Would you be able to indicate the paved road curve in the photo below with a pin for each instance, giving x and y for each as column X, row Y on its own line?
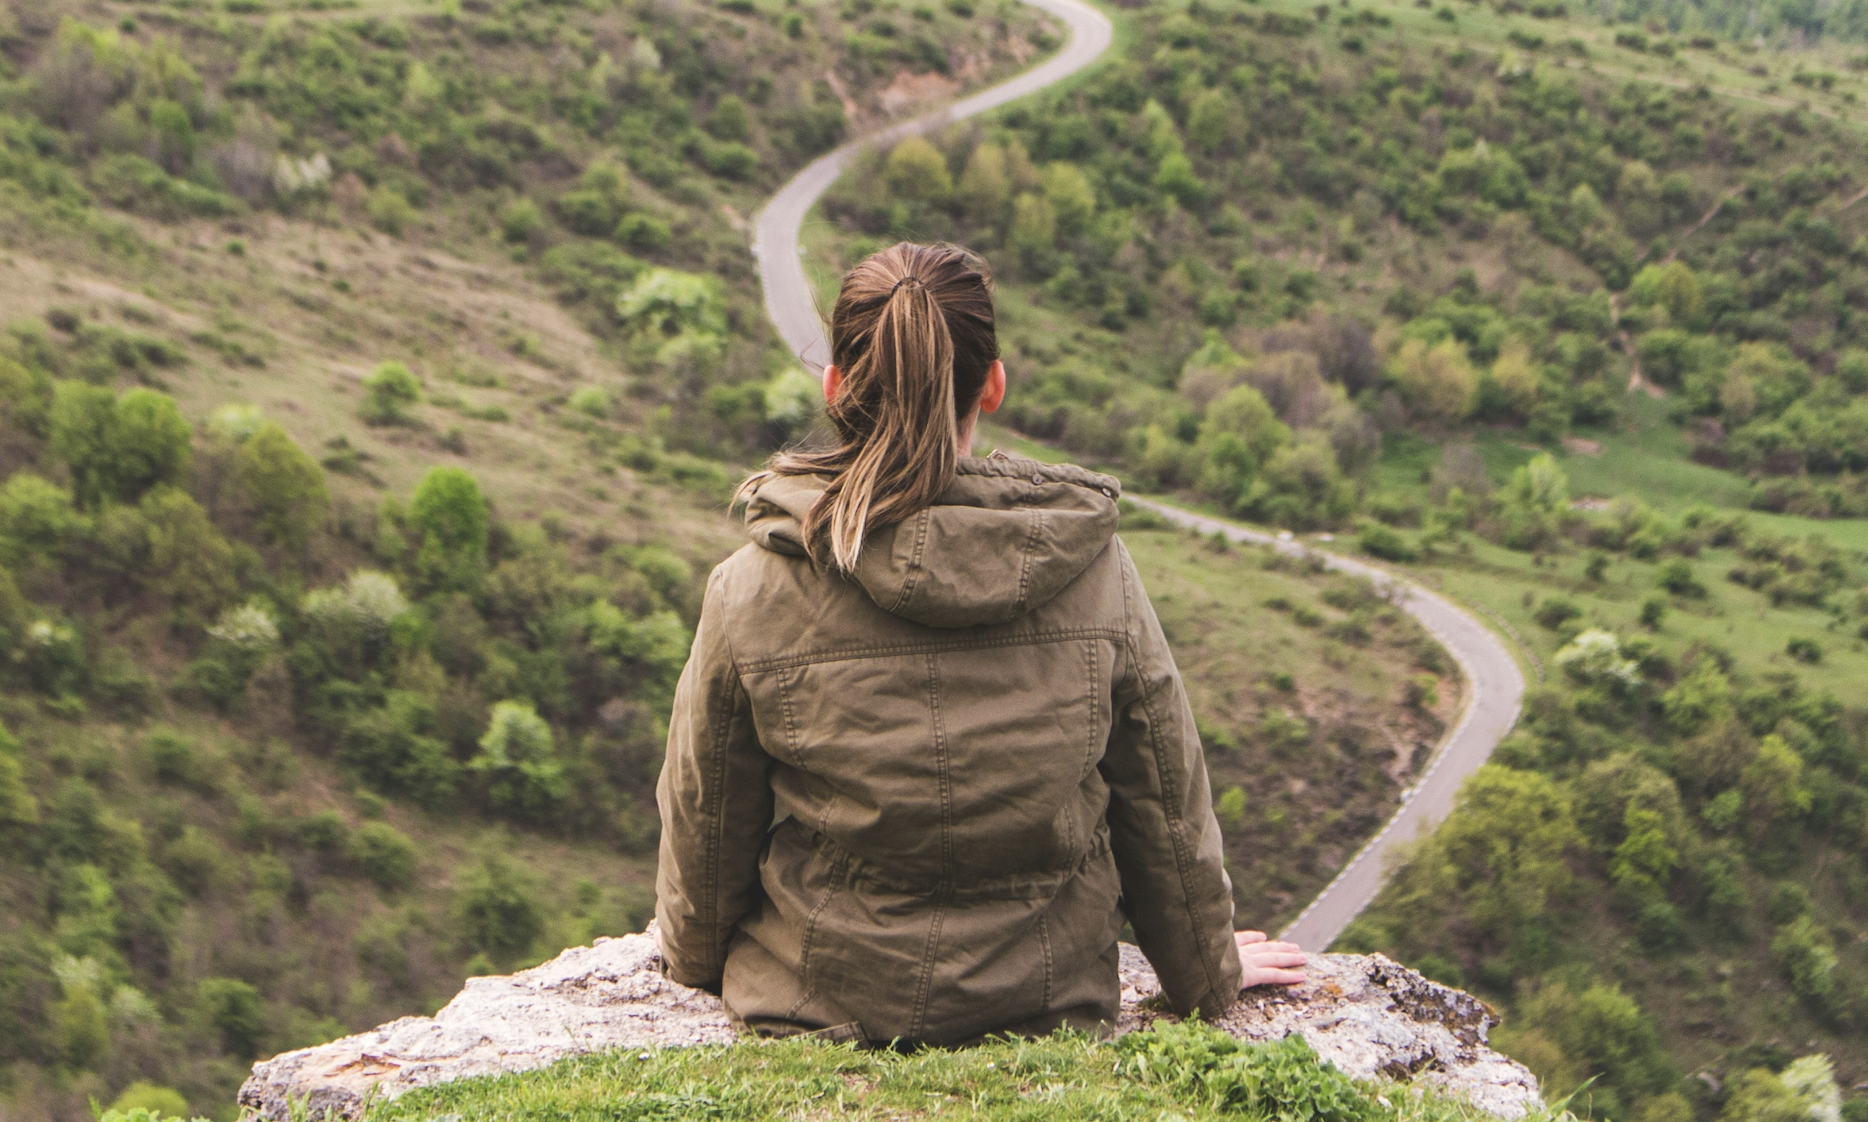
column 1494, row 685
column 1494, row 688
column 788, row 294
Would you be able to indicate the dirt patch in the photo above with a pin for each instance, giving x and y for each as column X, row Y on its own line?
column 912, row 91
column 1581, row 446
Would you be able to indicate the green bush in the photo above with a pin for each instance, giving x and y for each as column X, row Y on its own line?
column 521, row 220
column 385, row 854
column 387, row 392
column 1387, row 543
column 235, row 1011
column 497, row 913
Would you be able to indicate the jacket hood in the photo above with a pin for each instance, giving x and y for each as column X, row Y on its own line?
column 1005, row 537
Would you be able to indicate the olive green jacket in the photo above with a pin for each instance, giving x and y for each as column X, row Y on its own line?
column 980, row 759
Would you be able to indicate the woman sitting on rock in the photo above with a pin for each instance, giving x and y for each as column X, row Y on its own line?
column 941, row 678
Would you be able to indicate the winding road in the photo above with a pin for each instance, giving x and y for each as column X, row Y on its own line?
column 1494, row 684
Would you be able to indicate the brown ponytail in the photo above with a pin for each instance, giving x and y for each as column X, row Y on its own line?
column 913, row 335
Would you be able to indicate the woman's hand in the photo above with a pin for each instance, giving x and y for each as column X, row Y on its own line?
column 1267, row 963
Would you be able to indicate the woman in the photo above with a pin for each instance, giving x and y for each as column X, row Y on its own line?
column 942, row 678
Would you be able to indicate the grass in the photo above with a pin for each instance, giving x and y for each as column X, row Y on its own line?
column 1192, row 1073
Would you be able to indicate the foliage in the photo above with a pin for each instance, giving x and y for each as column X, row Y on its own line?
column 388, row 391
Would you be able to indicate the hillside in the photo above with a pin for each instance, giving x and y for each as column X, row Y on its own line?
column 1560, row 313
column 253, row 794
column 373, row 378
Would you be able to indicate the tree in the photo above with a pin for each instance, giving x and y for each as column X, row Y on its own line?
column 1516, row 377
column 677, row 317
column 1072, row 197
column 450, row 517
column 385, row 854
column 1238, row 435
column 516, row 754
column 387, row 392
column 1672, row 288
column 1506, row 847
column 36, row 520
column 497, row 913
column 1034, row 227
column 1534, row 503
column 1804, row 953
column 284, row 486
column 916, row 170
column 1436, row 380
column 1604, row 1033
column 234, row 1009
column 88, row 434
column 150, row 442
column 985, row 185
column 1772, row 786
column 188, row 559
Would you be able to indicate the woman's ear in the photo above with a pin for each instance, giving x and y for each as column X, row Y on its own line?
column 833, row 380
column 992, row 394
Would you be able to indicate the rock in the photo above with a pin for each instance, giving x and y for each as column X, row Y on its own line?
column 1367, row 1014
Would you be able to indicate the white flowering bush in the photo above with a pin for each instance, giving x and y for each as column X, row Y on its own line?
column 249, row 629
column 369, row 601
column 1595, row 657
column 236, row 422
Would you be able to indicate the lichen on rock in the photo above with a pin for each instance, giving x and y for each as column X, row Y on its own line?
column 1367, row 1014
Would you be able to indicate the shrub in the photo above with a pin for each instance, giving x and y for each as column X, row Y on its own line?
column 1678, row 578
column 516, row 755
column 387, row 391
column 521, row 220
column 171, row 757
column 1387, row 543
column 282, row 485
column 234, row 1010
column 591, row 401
column 1422, row 691
column 1230, row 807
column 1554, row 612
column 389, row 210
column 152, row 1100
column 385, row 854
column 496, row 911
column 451, row 518
column 1804, row 650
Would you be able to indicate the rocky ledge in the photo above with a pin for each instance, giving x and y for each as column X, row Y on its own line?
column 1367, row 1014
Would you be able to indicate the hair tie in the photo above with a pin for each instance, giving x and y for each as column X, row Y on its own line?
column 905, row 280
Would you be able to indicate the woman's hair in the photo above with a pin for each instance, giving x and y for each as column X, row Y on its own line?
column 913, row 336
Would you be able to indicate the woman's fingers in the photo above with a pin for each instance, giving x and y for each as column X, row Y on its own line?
column 1265, row 962
column 1256, row 957
column 1244, row 937
column 1270, row 977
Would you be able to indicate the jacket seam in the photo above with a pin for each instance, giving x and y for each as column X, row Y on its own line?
column 850, row 654
column 944, row 778
column 925, row 991
column 1031, row 548
column 837, row 869
column 1044, row 948
column 728, row 701
column 1170, row 808
column 922, row 522
column 791, row 732
column 723, row 729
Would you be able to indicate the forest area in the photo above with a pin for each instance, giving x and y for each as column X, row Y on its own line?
column 375, row 375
